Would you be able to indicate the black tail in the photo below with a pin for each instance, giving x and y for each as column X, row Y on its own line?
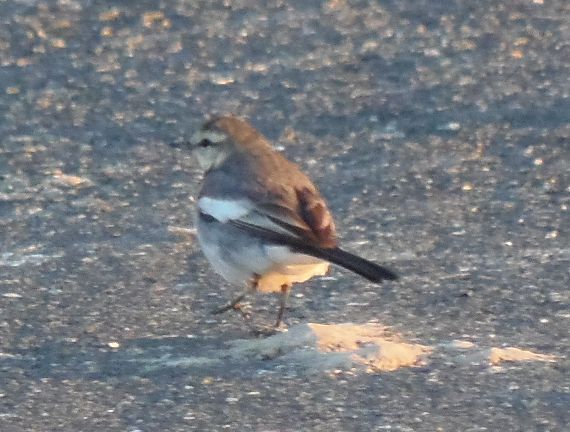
column 367, row 269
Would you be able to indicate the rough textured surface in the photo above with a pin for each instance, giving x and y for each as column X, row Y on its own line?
column 439, row 132
column 337, row 348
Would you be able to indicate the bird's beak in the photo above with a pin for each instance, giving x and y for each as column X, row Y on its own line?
column 182, row 144
column 189, row 144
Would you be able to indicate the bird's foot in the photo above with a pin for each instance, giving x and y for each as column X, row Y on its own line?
column 242, row 308
column 234, row 304
column 267, row 330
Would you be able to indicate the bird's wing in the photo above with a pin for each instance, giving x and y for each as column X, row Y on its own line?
column 301, row 218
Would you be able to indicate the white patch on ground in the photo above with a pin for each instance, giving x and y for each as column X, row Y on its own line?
column 343, row 347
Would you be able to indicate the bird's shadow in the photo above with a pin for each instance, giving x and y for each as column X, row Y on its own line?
column 300, row 348
column 303, row 349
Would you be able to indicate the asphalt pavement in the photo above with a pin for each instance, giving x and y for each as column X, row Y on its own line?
column 438, row 131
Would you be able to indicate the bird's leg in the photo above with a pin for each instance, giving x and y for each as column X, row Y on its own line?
column 235, row 303
column 285, row 288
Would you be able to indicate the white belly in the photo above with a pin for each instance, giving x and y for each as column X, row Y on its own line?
column 239, row 258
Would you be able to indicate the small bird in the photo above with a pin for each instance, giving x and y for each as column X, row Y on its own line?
column 261, row 222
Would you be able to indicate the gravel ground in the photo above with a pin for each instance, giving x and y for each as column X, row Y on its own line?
column 439, row 131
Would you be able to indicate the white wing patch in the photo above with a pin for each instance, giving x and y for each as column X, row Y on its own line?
column 224, row 210
column 244, row 210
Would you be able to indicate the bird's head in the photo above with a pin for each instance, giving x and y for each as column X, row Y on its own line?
column 222, row 136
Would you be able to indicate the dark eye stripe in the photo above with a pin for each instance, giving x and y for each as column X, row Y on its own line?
column 205, row 143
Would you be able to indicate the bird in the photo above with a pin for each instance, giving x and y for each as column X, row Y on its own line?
column 261, row 222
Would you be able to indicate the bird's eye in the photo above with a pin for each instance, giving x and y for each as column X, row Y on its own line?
column 205, row 143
